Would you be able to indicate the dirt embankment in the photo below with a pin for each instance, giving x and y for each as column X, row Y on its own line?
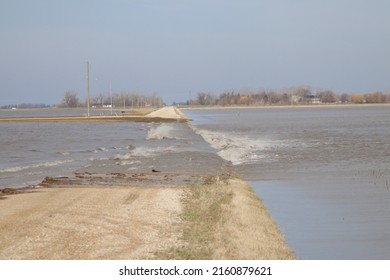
column 165, row 114
column 168, row 112
column 218, row 219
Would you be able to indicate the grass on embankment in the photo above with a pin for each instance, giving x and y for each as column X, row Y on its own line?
column 224, row 219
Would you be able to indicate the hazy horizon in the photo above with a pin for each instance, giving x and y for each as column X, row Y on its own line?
column 180, row 47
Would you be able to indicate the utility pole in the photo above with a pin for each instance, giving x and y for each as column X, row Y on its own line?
column 88, row 89
column 111, row 97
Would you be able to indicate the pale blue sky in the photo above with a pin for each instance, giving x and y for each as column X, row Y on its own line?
column 172, row 47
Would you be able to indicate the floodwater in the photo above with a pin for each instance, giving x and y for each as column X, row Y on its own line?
column 31, row 151
column 323, row 172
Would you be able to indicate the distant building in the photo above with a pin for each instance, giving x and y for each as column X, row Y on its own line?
column 312, row 99
column 295, row 99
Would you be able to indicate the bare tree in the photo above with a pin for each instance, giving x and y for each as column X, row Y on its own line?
column 357, row 98
column 375, row 97
column 345, row 98
column 70, row 99
column 327, row 96
column 205, row 99
column 127, row 99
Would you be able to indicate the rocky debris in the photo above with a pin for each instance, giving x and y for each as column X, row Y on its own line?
column 151, row 179
column 9, row 191
column 50, row 181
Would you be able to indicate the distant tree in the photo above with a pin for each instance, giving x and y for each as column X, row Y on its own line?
column 300, row 93
column 327, row 96
column 259, row 97
column 25, row 106
column 205, row 99
column 293, row 95
column 386, row 98
column 285, row 99
column 357, row 98
column 224, row 99
column 70, row 99
column 201, row 98
column 274, row 97
column 126, row 99
column 244, row 100
column 345, row 98
column 375, row 97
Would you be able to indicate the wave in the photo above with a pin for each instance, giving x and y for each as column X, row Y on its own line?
column 122, row 157
column 98, row 158
column 163, row 131
column 143, row 152
column 97, row 150
column 128, row 162
column 236, row 148
column 63, row 153
column 35, row 165
column 150, row 152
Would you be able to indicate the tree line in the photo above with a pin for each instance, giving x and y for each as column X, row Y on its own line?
column 117, row 100
column 26, row 106
column 290, row 96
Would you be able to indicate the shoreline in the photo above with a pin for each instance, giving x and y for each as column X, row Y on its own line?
column 166, row 214
column 165, row 114
column 219, row 107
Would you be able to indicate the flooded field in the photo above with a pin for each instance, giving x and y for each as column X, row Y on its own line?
column 323, row 172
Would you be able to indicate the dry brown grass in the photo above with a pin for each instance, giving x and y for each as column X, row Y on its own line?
column 225, row 220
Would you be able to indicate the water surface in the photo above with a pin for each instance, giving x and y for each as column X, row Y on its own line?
column 323, row 172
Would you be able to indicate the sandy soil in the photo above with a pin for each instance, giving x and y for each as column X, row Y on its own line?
column 125, row 222
column 89, row 223
column 168, row 112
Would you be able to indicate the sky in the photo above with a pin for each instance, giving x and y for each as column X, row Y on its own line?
column 177, row 48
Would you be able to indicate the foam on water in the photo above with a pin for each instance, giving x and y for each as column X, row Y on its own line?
column 163, row 131
column 236, row 148
column 63, row 153
column 122, row 157
column 144, row 152
column 150, row 152
column 129, row 162
column 35, row 165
